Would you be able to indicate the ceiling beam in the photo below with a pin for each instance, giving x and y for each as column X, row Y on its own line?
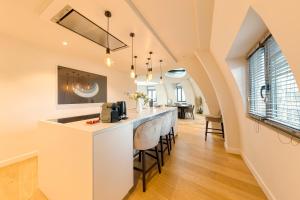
column 147, row 24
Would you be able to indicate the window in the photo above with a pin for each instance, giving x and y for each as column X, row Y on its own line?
column 273, row 93
column 180, row 94
column 151, row 91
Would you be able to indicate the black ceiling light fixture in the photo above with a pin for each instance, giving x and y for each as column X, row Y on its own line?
column 147, row 66
column 135, row 76
column 160, row 78
column 150, row 76
column 108, row 60
column 132, row 72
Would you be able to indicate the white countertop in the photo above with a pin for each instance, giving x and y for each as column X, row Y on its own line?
column 132, row 115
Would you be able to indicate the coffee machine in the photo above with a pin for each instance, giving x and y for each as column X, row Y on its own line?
column 110, row 113
column 122, row 109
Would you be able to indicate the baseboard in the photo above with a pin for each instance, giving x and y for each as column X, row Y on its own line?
column 258, row 178
column 231, row 150
column 18, row 158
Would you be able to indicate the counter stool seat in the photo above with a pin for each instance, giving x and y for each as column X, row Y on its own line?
column 164, row 135
column 146, row 140
column 215, row 119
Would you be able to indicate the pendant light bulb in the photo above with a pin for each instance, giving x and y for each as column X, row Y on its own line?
column 108, row 60
column 150, row 76
column 161, row 81
column 135, row 79
column 132, row 73
column 161, row 78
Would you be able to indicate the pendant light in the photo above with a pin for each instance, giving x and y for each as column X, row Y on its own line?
column 150, row 66
column 160, row 78
column 135, row 76
column 147, row 74
column 108, row 60
column 132, row 73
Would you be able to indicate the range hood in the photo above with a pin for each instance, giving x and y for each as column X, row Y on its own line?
column 76, row 22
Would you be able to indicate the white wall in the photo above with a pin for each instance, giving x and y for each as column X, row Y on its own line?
column 28, row 85
column 167, row 90
column 275, row 164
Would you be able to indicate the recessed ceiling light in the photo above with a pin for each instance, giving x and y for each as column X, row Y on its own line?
column 65, row 43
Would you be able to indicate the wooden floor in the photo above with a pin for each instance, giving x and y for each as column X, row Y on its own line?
column 199, row 170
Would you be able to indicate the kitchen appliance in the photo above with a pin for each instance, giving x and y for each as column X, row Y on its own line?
column 110, row 113
column 122, row 109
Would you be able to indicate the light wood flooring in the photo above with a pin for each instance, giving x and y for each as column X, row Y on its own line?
column 199, row 170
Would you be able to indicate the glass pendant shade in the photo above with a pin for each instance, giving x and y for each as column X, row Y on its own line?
column 161, row 81
column 132, row 73
column 150, row 76
column 108, row 60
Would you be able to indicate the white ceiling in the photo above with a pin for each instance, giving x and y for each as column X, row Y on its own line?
column 183, row 25
column 30, row 21
column 177, row 24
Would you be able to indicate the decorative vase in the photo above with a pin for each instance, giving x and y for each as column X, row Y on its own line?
column 139, row 105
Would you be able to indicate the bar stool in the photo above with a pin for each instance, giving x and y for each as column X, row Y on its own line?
column 173, row 123
column 164, row 135
column 216, row 119
column 146, row 138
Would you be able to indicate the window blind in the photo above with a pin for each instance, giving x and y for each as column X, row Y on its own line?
column 257, row 84
column 284, row 99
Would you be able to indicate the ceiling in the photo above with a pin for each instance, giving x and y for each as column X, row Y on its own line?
column 172, row 29
column 183, row 25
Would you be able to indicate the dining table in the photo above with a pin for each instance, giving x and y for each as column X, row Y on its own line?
column 181, row 109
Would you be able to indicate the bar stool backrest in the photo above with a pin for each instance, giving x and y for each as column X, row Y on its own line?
column 147, row 134
column 174, row 117
column 166, row 124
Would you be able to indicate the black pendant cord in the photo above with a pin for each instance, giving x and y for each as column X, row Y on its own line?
column 132, row 36
column 150, row 61
column 160, row 61
column 135, row 57
column 108, row 15
column 147, row 66
column 132, row 50
column 107, row 40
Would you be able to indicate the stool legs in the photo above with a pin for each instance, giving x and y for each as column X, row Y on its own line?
column 157, row 160
column 168, row 143
column 161, row 150
column 213, row 130
column 140, row 156
column 173, row 134
column 206, row 130
column 144, row 170
column 222, row 127
column 170, row 140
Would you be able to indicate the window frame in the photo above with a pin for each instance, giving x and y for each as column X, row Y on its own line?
column 286, row 128
column 182, row 94
column 152, row 89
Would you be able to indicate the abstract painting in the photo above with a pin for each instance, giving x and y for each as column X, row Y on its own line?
column 76, row 87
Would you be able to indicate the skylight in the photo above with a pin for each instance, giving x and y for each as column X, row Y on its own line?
column 176, row 73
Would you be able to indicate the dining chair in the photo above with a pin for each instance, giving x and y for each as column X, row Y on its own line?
column 190, row 111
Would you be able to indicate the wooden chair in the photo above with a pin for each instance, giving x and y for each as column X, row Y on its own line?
column 216, row 119
column 190, row 111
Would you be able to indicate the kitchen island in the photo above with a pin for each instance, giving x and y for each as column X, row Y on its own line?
column 89, row 162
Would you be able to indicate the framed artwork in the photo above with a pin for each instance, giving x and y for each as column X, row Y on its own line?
column 76, row 87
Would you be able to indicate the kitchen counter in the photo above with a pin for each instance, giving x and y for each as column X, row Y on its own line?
column 92, row 162
column 133, row 117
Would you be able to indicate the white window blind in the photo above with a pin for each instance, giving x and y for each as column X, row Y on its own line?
column 273, row 91
column 284, row 101
column 257, row 83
